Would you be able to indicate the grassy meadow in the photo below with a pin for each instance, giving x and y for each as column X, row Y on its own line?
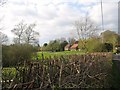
column 57, row 54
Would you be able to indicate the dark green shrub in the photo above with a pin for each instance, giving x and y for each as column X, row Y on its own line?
column 14, row 54
column 103, row 47
column 109, row 46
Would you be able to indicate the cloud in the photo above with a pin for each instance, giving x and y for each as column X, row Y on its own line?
column 110, row 15
column 55, row 18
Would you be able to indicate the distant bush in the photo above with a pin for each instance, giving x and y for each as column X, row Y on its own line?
column 95, row 45
column 103, row 47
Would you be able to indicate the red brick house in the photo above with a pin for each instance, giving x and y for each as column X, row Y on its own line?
column 74, row 46
column 67, row 47
column 71, row 47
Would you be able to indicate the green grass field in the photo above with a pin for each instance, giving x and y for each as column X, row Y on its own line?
column 58, row 54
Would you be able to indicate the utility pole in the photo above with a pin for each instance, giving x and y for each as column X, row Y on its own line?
column 119, row 17
column 102, row 19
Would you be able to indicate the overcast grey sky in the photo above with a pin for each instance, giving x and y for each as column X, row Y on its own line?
column 55, row 18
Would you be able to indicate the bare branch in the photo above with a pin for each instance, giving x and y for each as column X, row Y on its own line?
column 85, row 29
column 3, row 38
column 18, row 31
column 30, row 36
column 25, row 33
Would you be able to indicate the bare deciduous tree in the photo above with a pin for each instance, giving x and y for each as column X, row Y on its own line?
column 85, row 29
column 30, row 35
column 25, row 33
column 18, row 31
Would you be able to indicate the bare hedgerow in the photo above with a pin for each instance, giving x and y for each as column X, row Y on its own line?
column 72, row 71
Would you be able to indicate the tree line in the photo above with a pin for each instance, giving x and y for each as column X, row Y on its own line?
column 57, row 44
column 105, row 42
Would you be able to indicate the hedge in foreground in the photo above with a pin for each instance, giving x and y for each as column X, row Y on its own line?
column 72, row 71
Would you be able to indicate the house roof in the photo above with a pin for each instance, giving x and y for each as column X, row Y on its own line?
column 76, row 42
column 67, row 46
column 74, row 46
